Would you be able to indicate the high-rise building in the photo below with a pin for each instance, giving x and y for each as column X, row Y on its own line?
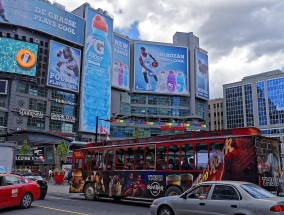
column 215, row 109
column 258, row 101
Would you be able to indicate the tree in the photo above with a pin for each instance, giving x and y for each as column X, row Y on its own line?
column 25, row 150
column 137, row 133
column 61, row 152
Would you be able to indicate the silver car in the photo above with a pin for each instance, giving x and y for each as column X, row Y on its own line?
column 220, row 197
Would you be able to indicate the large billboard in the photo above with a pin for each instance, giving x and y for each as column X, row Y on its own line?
column 202, row 79
column 96, row 75
column 64, row 67
column 18, row 57
column 44, row 17
column 121, row 63
column 160, row 69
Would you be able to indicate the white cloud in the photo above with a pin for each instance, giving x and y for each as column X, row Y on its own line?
column 242, row 37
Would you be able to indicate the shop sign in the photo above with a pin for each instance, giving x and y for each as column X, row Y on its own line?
column 24, row 158
column 32, row 113
column 64, row 102
column 62, row 117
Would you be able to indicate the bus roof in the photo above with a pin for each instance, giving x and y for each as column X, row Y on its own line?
column 251, row 131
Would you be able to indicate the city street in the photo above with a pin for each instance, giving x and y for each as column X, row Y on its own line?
column 59, row 201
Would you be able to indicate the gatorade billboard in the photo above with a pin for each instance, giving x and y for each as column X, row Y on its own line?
column 44, row 17
column 160, row 69
column 202, row 79
column 96, row 75
column 121, row 63
column 18, row 57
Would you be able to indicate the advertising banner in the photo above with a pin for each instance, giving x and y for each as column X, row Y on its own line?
column 18, row 57
column 121, row 63
column 96, row 80
column 44, row 17
column 202, row 80
column 160, row 69
column 64, row 67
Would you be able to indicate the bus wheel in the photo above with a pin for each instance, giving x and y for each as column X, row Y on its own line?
column 173, row 191
column 89, row 192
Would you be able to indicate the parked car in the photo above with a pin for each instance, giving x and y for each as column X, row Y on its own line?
column 17, row 191
column 36, row 177
column 3, row 169
column 220, row 197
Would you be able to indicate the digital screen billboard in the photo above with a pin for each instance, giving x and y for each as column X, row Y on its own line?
column 18, row 57
column 45, row 17
column 202, row 79
column 96, row 75
column 64, row 67
column 121, row 63
column 160, row 69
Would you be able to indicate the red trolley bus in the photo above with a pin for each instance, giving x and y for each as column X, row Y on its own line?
column 168, row 165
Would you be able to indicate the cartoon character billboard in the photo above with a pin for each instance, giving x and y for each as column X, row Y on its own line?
column 44, row 17
column 160, row 69
column 18, row 57
column 96, row 75
column 121, row 63
column 64, row 67
column 202, row 80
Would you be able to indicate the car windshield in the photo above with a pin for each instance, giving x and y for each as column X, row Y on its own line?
column 2, row 169
column 34, row 177
column 256, row 191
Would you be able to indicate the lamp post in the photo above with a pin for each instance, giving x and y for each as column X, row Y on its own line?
column 97, row 125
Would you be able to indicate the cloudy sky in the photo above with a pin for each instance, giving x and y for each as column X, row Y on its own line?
column 242, row 37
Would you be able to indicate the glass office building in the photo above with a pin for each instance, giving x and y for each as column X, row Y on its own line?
column 258, row 101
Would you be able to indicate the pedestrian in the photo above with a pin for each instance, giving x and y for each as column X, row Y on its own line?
column 69, row 176
column 50, row 173
column 29, row 170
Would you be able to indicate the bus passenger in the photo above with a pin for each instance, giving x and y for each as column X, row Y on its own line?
column 185, row 165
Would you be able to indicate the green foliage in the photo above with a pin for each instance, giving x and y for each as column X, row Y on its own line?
column 137, row 133
column 25, row 149
column 60, row 171
column 62, row 150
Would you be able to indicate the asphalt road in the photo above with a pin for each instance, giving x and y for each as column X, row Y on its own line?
column 59, row 202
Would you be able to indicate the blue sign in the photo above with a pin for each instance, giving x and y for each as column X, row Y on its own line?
column 121, row 63
column 96, row 76
column 202, row 80
column 64, row 67
column 45, row 17
column 160, row 69
column 18, row 57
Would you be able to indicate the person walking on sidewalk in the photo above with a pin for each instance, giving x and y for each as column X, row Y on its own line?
column 50, row 173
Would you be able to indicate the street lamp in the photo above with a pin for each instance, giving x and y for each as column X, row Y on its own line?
column 97, row 125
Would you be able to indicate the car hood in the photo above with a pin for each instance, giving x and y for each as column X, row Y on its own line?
column 167, row 199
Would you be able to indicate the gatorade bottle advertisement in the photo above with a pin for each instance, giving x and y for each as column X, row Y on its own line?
column 96, row 77
column 161, row 69
column 121, row 62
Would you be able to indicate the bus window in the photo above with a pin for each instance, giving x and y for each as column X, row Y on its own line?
column 110, row 160
column 103, row 159
column 139, row 158
column 216, row 155
column 87, row 162
column 129, row 158
column 95, row 160
column 173, row 157
column 78, row 164
column 120, row 159
column 161, row 157
column 150, row 157
column 201, row 157
column 187, row 157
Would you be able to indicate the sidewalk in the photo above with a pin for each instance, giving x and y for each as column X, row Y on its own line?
column 58, row 189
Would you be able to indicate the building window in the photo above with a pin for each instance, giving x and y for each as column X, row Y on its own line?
column 234, row 107
column 36, row 124
column 249, row 105
column 261, row 104
column 31, row 89
column 67, row 97
column 275, row 94
column 36, row 104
